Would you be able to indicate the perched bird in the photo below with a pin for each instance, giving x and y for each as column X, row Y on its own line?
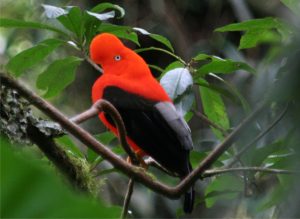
column 153, row 126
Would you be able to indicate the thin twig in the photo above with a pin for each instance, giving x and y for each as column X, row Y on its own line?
column 80, row 118
column 219, row 150
column 127, row 198
column 209, row 122
column 245, row 148
column 213, row 172
column 137, row 173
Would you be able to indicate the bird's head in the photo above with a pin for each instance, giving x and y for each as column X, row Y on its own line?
column 115, row 58
column 106, row 48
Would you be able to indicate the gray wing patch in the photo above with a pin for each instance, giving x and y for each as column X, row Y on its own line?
column 177, row 123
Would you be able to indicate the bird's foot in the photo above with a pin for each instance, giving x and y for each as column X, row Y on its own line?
column 141, row 161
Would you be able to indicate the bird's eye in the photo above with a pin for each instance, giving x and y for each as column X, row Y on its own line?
column 117, row 57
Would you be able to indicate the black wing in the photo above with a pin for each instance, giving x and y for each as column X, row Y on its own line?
column 155, row 127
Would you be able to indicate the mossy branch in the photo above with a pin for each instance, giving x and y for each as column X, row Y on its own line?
column 72, row 168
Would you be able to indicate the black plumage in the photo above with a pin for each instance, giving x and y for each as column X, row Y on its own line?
column 157, row 129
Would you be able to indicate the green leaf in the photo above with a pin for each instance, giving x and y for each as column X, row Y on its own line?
column 258, row 155
column 281, row 159
column 231, row 90
column 163, row 40
column 73, row 21
column 107, row 171
column 44, row 192
column 273, row 198
column 188, row 116
column 53, row 11
column 201, row 57
column 218, row 89
column 257, row 36
column 214, row 108
column 263, row 23
column 173, row 65
column 286, row 181
column 91, row 26
column 120, row 31
column 76, row 19
column 156, row 37
column 218, row 65
column 32, row 56
column 196, row 158
column 293, row 5
column 58, row 75
column 103, row 6
column 105, row 138
column 156, row 67
column 258, row 31
column 66, row 142
column 118, row 150
column 4, row 22
column 222, row 187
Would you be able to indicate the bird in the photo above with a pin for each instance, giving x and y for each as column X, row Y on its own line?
column 153, row 126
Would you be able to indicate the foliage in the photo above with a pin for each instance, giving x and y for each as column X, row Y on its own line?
column 71, row 29
column 36, row 191
column 258, row 31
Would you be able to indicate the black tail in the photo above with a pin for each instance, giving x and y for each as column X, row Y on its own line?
column 189, row 196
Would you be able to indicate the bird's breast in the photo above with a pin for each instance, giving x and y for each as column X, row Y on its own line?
column 146, row 87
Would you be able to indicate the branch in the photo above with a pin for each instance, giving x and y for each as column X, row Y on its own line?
column 134, row 172
column 210, row 173
column 245, row 148
column 209, row 122
column 28, row 129
column 103, row 105
column 127, row 198
column 72, row 170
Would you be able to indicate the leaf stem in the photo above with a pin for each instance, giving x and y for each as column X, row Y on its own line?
column 209, row 122
column 161, row 50
column 156, row 68
column 92, row 63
